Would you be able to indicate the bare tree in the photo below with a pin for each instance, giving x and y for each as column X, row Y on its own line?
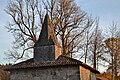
column 113, row 45
column 97, row 46
column 24, row 26
column 88, row 35
column 93, row 47
column 69, row 22
column 93, row 44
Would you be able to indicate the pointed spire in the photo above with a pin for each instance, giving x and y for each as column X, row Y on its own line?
column 47, row 47
column 47, row 35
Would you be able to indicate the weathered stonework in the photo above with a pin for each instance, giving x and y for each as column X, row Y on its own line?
column 53, row 73
column 86, row 74
column 47, row 53
column 49, row 73
column 44, row 53
column 58, row 51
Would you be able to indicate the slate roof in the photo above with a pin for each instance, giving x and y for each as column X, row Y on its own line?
column 60, row 61
column 47, row 35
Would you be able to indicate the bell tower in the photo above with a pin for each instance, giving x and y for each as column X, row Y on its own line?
column 47, row 47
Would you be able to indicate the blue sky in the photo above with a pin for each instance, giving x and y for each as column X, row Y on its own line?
column 107, row 10
column 5, row 37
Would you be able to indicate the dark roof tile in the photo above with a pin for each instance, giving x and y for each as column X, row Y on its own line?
column 61, row 61
column 47, row 35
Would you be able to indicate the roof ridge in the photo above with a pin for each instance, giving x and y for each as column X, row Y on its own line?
column 68, row 58
column 60, row 61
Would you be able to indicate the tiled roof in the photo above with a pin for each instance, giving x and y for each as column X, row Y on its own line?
column 61, row 61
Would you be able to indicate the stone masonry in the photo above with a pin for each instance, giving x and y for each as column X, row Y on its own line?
column 48, row 73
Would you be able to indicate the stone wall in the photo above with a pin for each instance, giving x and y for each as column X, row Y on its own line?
column 85, row 74
column 46, row 53
column 51, row 73
column 58, row 51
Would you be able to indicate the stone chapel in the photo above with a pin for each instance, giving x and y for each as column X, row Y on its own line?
column 48, row 62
